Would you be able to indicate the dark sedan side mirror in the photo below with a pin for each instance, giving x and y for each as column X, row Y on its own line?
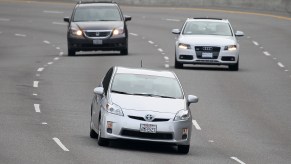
column 99, row 90
column 127, row 18
column 192, row 99
column 67, row 19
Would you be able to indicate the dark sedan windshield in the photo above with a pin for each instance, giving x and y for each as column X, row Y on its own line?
column 145, row 85
column 97, row 13
column 207, row 28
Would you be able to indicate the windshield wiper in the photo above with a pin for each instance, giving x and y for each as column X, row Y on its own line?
column 120, row 92
column 153, row 95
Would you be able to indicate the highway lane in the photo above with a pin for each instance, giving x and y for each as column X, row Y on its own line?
column 244, row 116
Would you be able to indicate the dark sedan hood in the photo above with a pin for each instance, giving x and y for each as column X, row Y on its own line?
column 100, row 25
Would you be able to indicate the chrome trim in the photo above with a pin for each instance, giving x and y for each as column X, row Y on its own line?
column 110, row 32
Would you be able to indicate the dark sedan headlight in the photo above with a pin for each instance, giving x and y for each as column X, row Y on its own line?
column 75, row 31
column 184, row 46
column 182, row 115
column 230, row 48
column 118, row 31
column 114, row 109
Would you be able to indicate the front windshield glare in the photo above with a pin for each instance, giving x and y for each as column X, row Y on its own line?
column 146, row 85
column 207, row 28
column 97, row 13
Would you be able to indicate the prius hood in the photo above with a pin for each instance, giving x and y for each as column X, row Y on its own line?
column 207, row 40
column 99, row 25
column 145, row 103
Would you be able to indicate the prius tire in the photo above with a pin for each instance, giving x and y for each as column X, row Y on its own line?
column 101, row 141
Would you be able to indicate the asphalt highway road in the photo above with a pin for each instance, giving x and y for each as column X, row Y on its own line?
column 45, row 96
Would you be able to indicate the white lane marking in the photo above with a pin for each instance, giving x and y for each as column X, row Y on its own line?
column 60, row 144
column 35, row 84
column 151, row 42
column 286, row 70
column 195, row 123
column 211, row 141
column 49, row 63
column 46, row 42
column 58, row 48
column 161, row 50
column 280, row 65
column 4, row 19
column 133, row 34
column 166, row 57
column 61, row 53
column 56, row 58
column 267, row 53
column 255, row 43
column 34, row 94
column 163, row 53
column 237, row 160
column 21, row 35
column 37, row 108
column 40, row 69
column 173, row 20
column 60, row 23
column 44, row 123
column 167, row 65
column 53, row 12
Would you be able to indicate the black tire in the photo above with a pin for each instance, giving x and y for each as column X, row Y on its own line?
column 93, row 134
column 124, row 51
column 234, row 67
column 101, row 141
column 178, row 64
column 71, row 52
column 183, row 149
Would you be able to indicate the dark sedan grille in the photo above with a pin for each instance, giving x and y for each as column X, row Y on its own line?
column 137, row 134
column 207, row 49
column 154, row 120
column 97, row 34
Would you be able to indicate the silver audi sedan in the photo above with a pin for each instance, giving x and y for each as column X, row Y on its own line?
column 144, row 105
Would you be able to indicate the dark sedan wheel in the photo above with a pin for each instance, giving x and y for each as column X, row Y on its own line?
column 183, row 149
column 71, row 52
column 124, row 51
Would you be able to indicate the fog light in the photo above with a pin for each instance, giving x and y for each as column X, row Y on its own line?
column 185, row 133
column 109, row 127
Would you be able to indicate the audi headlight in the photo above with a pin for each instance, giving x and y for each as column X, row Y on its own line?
column 114, row 109
column 184, row 46
column 230, row 48
column 182, row 115
column 118, row 31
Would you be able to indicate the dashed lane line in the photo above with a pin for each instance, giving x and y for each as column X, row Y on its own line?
column 151, row 42
column 133, row 34
column 44, row 123
column 195, row 123
column 56, row 58
column 53, row 12
column 60, row 144
column 280, row 65
column 35, row 84
column 37, row 108
column 161, row 50
column 61, row 53
column 20, row 35
column 47, row 42
column 255, row 43
column 173, row 20
column 267, row 53
column 237, row 160
column 167, row 66
column 50, row 63
column 59, row 23
column 40, row 69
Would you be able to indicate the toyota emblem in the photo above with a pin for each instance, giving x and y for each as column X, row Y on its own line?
column 149, row 117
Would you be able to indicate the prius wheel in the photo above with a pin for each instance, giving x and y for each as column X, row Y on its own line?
column 101, row 141
column 93, row 134
column 183, row 149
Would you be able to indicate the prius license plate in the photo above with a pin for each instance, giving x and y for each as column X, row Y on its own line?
column 97, row 42
column 207, row 55
column 148, row 128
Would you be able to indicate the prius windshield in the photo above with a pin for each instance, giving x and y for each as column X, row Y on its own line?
column 207, row 28
column 146, row 85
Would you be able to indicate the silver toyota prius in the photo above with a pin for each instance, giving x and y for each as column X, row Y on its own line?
column 144, row 105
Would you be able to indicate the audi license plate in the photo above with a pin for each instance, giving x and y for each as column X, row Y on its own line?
column 207, row 55
column 97, row 42
column 148, row 128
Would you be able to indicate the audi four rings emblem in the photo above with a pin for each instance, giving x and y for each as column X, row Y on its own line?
column 149, row 117
column 207, row 48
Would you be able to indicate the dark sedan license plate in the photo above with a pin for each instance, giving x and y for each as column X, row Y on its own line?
column 97, row 42
column 148, row 128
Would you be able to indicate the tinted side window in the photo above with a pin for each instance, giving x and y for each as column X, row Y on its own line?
column 106, row 80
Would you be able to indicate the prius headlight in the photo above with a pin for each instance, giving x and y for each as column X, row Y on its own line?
column 230, row 48
column 114, row 109
column 184, row 46
column 182, row 115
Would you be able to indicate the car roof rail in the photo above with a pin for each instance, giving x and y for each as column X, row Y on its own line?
column 92, row 1
column 209, row 18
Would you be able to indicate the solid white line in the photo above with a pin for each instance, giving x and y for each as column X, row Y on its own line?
column 255, row 43
column 60, row 144
column 46, row 42
column 36, row 108
column 49, row 63
column 195, row 123
column 53, row 12
column 173, row 20
column 4, row 19
column 133, row 34
column 40, row 69
column 21, row 35
column 267, row 53
column 59, row 23
column 151, row 42
column 237, row 160
column 161, row 50
column 280, row 65
column 35, row 84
